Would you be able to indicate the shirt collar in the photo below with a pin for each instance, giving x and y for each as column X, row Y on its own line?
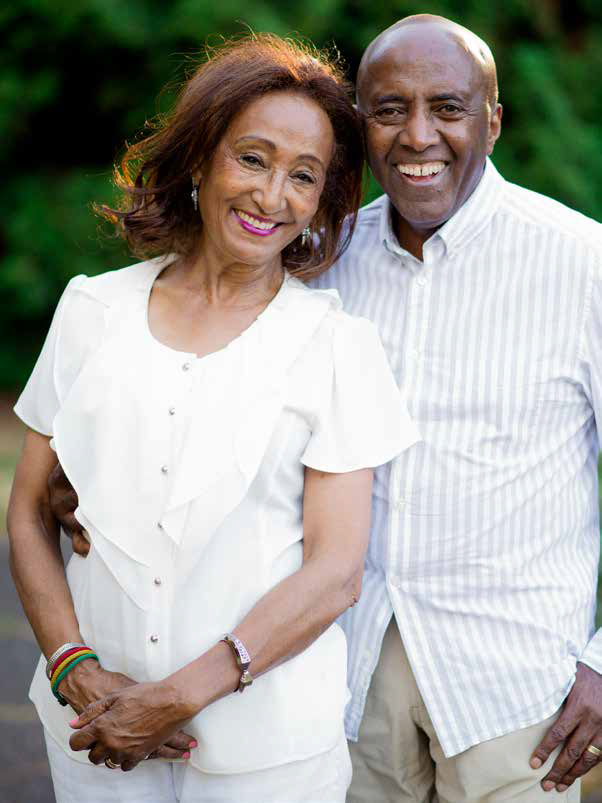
column 474, row 214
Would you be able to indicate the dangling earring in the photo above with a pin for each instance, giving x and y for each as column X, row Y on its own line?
column 305, row 235
column 195, row 195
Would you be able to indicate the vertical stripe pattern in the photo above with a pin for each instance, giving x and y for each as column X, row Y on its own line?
column 485, row 535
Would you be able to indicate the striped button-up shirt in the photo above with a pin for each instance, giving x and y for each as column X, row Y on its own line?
column 485, row 535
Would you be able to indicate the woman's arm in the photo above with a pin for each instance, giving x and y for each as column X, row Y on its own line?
column 39, row 575
column 336, row 519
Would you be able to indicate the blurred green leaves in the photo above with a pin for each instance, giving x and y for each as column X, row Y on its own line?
column 78, row 79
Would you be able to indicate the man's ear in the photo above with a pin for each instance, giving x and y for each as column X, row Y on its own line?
column 495, row 127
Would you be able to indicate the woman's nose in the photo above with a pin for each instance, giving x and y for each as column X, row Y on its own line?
column 270, row 194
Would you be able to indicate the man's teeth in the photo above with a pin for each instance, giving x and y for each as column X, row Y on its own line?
column 427, row 169
column 257, row 224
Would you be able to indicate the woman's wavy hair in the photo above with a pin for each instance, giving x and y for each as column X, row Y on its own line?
column 155, row 214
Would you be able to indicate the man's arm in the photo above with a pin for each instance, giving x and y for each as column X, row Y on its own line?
column 63, row 501
column 579, row 726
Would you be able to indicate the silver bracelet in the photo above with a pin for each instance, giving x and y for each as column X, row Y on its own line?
column 243, row 659
column 50, row 664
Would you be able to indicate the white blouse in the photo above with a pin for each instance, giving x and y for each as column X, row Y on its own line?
column 189, row 473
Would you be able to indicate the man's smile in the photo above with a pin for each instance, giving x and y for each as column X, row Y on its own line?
column 421, row 172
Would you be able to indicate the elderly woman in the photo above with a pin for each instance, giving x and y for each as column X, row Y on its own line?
column 219, row 422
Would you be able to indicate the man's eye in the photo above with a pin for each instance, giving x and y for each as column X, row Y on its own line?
column 449, row 108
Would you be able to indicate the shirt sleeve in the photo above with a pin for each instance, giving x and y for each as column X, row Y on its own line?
column 73, row 328
column 592, row 356
column 364, row 421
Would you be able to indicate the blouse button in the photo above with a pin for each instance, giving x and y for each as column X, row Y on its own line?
column 154, row 638
column 157, row 581
column 164, row 469
column 186, row 366
column 160, row 525
column 172, row 410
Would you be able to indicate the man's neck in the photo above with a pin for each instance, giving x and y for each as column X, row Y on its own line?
column 408, row 237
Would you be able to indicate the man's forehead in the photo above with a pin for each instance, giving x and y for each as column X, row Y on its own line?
column 421, row 57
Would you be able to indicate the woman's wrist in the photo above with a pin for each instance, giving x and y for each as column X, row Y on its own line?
column 73, row 687
column 213, row 675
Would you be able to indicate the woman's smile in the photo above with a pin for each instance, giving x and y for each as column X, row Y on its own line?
column 262, row 227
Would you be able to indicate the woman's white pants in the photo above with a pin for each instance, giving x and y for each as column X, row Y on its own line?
column 321, row 779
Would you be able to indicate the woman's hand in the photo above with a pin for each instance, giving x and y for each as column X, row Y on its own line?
column 88, row 683
column 130, row 724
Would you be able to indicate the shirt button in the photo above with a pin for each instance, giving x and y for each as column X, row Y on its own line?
column 186, row 366
column 160, row 525
column 421, row 282
column 399, row 503
column 172, row 410
column 154, row 638
column 157, row 581
column 164, row 469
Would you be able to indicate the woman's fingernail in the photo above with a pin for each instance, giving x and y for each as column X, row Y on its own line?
column 74, row 722
column 561, row 787
column 193, row 743
column 548, row 786
column 535, row 763
column 186, row 754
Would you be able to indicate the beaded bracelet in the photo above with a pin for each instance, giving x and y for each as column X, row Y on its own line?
column 64, row 669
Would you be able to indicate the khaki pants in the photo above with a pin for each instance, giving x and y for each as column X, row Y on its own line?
column 398, row 758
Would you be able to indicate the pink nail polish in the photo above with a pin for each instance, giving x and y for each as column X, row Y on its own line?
column 74, row 722
column 186, row 754
column 535, row 763
column 193, row 743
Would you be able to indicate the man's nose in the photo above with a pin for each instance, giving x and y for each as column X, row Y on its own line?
column 419, row 132
column 270, row 193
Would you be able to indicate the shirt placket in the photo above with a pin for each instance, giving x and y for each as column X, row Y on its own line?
column 403, row 468
column 162, row 573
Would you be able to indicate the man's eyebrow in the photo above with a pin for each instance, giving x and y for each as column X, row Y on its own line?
column 389, row 99
column 447, row 96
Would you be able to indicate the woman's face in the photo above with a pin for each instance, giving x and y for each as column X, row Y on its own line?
column 264, row 182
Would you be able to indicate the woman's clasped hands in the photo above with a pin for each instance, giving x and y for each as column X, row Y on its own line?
column 131, row 724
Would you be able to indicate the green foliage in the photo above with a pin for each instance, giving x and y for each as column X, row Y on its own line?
column 78, row 79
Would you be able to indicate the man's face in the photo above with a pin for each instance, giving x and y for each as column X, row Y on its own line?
column 429, row 124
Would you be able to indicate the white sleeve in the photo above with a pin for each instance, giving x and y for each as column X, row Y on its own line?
column 364, row 421
column 76, row 325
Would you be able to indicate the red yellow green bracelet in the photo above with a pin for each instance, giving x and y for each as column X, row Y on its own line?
column 65, row 666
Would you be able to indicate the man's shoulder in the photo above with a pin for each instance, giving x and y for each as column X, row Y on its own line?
column 547, row 215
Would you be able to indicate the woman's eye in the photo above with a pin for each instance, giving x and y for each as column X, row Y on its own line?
column 306, row 178
column 251, row 159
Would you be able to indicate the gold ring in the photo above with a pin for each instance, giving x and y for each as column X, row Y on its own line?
column 595, row 751
column 111, row 764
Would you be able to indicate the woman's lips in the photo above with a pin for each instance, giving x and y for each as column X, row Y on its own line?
column 260, row 227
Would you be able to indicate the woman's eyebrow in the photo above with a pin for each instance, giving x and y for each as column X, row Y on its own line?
column 303, row 157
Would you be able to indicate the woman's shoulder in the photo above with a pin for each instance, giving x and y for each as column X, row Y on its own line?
column 105, row 288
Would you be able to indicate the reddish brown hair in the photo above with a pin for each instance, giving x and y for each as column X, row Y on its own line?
column 156, row 215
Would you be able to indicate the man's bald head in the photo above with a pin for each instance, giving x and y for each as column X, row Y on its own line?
column 427, row 90
column 436, row 28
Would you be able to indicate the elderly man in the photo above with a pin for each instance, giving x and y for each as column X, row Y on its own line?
column 474, row 666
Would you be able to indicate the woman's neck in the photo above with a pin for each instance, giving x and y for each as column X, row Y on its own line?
column 223, row 282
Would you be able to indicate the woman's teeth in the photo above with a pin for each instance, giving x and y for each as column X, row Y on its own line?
column 257, row 224
column 426, row 169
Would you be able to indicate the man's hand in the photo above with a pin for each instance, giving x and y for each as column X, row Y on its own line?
column 63, row 501
column 88, row 682
column 578, row 726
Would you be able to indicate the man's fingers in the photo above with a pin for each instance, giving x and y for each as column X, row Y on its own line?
column 570, row 754
column 584, row 765
column 97, row 754
column 181, row 741
column 80, row 544
column 555, row 735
